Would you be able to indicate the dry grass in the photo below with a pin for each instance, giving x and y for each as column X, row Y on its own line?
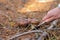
column 10, row 12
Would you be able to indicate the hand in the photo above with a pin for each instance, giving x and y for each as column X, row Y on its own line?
column 52, row 15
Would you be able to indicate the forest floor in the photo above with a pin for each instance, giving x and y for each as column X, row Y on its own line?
column 12, row 25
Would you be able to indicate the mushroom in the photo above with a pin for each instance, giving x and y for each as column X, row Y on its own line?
column 22, row 22
column 35, row 21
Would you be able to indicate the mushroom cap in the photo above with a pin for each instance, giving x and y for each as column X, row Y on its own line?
column 35, row 21
column 22, row 22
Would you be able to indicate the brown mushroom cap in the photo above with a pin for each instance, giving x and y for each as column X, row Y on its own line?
column 22, row 22
column 35, row 21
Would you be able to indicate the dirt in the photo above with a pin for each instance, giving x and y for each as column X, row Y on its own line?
column 9, row 14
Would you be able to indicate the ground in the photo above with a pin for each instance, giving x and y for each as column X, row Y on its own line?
column 9, row 14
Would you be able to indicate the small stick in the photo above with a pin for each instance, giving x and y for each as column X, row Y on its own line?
column 45, row 33
column 18, row 35
column 53, row 24
column 35, row 31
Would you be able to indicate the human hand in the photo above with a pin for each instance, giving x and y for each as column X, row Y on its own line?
column 52, row 15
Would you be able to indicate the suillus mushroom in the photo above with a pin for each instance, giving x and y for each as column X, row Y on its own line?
column 22, row 22
column 35, row 21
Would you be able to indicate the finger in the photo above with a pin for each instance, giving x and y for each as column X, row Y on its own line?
column 47, row 17
column 50, row 19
